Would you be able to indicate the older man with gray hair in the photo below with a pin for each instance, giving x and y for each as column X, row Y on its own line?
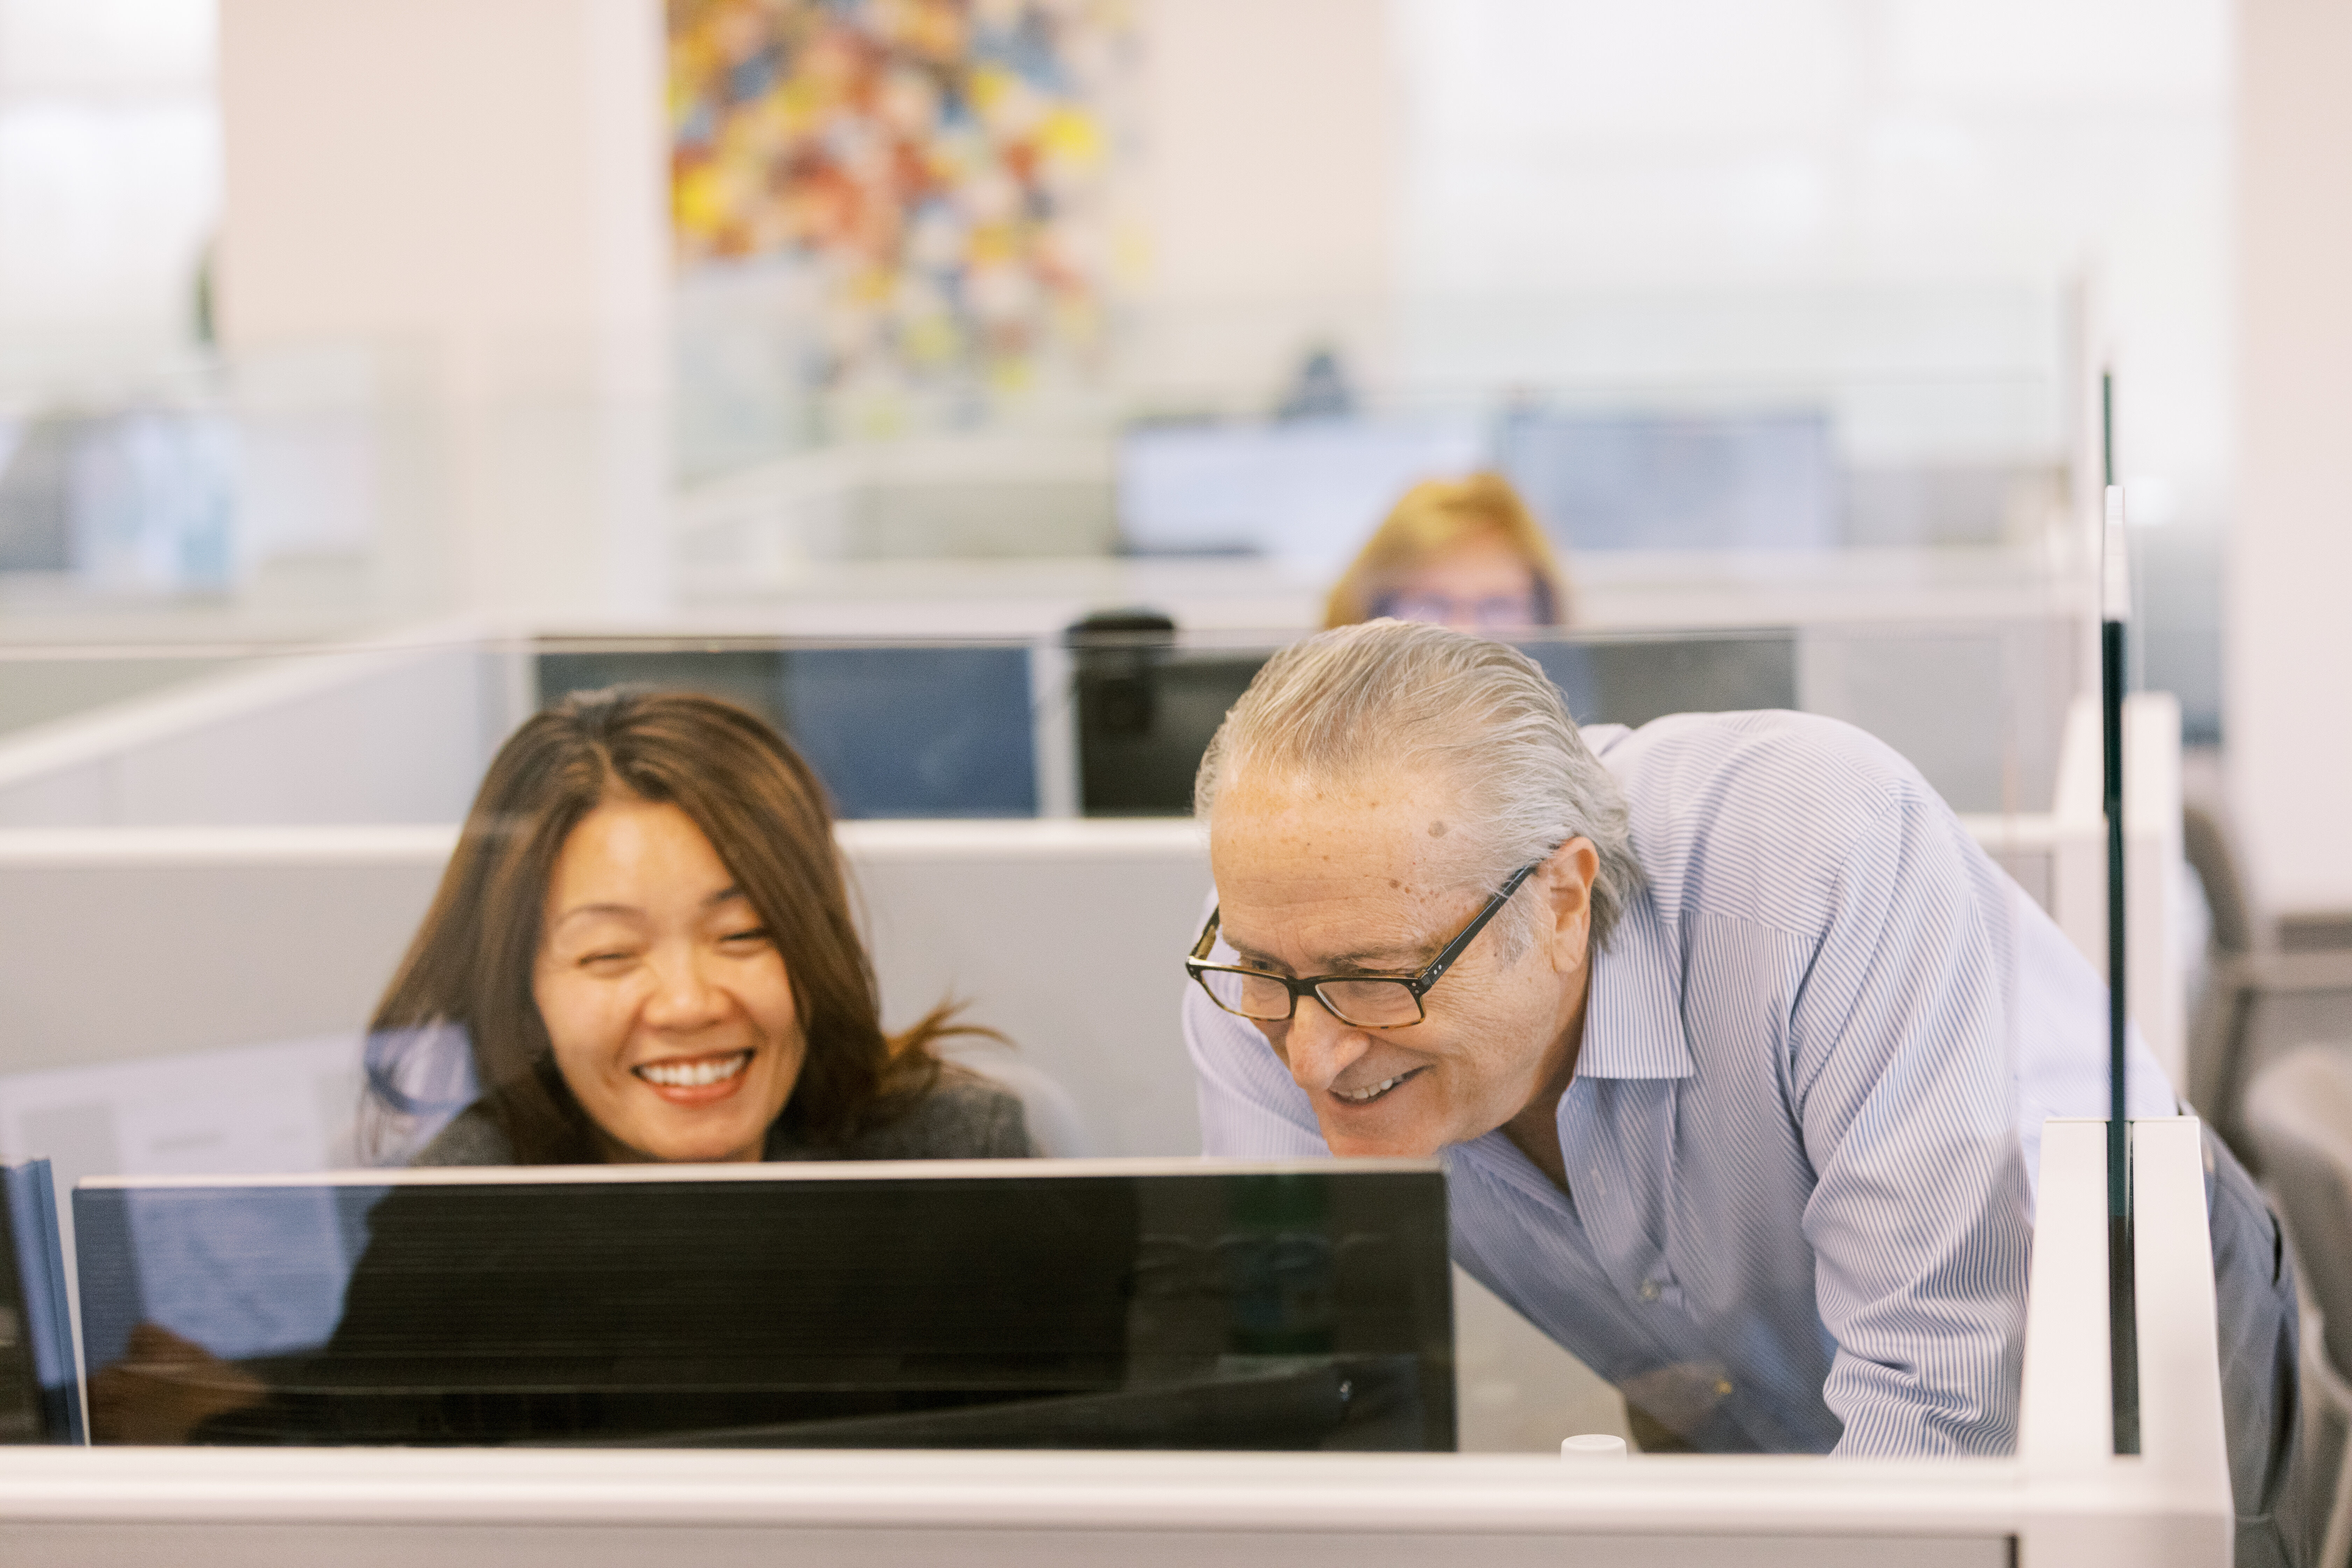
column 1736, row 1045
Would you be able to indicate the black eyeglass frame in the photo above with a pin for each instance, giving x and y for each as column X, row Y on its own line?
column 1416, row 985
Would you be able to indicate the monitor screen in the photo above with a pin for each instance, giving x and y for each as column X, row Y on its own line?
column 1145, row 718
column 1125, row 1304
column 1306, row 493
column 1146, row 713
column 1676, row 481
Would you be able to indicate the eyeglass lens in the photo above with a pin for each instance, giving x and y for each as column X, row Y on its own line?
column 1377, row 1002
column 1502, row 612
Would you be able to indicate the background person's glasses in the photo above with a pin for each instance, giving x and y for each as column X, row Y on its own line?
column 1360, row 1001
column 1494, row 612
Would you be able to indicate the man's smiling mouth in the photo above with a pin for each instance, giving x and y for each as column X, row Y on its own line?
column 1372, row 1092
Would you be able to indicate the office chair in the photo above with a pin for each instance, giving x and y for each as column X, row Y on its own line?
column 2258, row 1002
column 2299, row 1114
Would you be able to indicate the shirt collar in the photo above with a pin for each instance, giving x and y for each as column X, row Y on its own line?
column 1633, row 1016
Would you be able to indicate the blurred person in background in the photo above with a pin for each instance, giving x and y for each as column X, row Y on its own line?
column 1464, row 553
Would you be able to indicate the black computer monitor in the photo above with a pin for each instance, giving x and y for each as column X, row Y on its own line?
column 1121, row 1304
column 1146, row 713
column 1147, row 705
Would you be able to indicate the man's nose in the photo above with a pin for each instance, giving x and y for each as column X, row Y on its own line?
column 1320, row 1047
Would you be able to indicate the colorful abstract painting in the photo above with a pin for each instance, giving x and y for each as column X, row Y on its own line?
column 939, row 164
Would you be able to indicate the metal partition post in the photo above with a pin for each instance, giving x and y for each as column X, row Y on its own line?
column 2122, row 1343
column 1054, row 727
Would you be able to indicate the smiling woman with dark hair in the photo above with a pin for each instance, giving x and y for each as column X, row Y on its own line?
column 646, row 935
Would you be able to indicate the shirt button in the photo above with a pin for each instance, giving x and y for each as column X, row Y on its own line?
column 1649, row 1290
column 1723, row 1386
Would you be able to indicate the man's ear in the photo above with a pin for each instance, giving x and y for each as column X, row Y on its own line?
column 1567, row 878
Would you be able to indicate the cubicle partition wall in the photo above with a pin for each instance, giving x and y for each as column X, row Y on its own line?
column 264, row 834
column 1092, row 725
column 265, row 840
column 2065, row 1499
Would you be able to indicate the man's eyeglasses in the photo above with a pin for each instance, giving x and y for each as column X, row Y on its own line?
column 1363, row 1001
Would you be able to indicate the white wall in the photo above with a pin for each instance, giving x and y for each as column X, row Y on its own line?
column 474, row 198
column 2289, row 643
column 1266, row 190
column 1761, row 189
column 110, row 185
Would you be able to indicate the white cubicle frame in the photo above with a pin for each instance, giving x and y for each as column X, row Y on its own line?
column 2065, row 1501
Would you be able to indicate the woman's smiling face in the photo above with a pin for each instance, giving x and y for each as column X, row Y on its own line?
column 667, row 1003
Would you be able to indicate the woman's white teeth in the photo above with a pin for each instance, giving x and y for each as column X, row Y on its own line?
column 693, row 1075
column 1363, row 1096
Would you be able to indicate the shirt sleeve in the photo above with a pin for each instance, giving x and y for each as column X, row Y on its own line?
column 1901, row 1042
column 1250, row 1108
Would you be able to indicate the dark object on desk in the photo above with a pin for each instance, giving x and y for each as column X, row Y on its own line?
column 893, row 730
column 1148, row 707
column 1274, row 1308
column 38, row 1400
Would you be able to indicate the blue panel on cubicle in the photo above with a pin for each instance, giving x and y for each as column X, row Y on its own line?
column 1646, row 481
column 915, row 731
column 893, row 731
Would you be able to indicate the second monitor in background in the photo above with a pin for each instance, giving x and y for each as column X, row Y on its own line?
column 1148, row 705
column 1755, row 482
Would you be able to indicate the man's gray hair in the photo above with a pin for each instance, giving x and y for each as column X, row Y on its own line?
column 1386, row 697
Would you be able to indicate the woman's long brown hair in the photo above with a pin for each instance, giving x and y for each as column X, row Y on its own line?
column 764, row 812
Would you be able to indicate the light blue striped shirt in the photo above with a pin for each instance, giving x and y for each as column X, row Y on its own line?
column 1817, row 1057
